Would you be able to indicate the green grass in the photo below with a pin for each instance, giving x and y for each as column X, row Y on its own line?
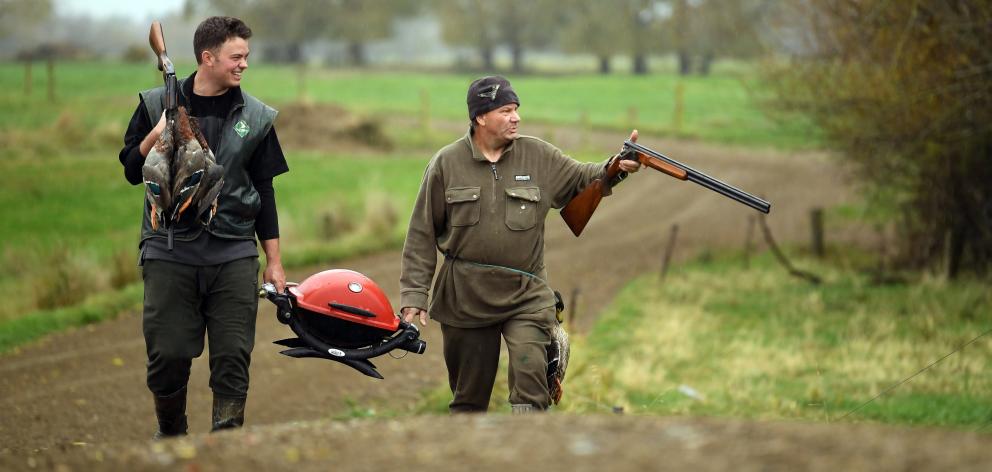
column 78, row 210
column 721, row 107
column 759, row 344
column 95, row 308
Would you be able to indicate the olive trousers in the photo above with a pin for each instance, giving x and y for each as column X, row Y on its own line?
column 472, row 358
column 182, row 304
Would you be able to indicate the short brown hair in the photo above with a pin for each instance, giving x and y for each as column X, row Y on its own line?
column 214, row 31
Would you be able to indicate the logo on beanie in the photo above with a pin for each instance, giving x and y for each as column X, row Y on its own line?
column 490, row 93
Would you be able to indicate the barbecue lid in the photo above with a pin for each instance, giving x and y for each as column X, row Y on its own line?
column 347, row 295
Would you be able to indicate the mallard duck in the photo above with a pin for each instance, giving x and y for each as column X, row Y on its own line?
column 210, row 184
column 558, row 354
column 198, row 177
column 157, row 174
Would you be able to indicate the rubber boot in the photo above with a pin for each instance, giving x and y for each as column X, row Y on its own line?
column 523, row 409
column 228, row 413
column 171, row 413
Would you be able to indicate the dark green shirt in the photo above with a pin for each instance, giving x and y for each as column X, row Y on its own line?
column 487, row 214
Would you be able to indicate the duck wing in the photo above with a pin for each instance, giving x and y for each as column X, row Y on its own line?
column 157, row 172
column 209, row 190
column 190, row 164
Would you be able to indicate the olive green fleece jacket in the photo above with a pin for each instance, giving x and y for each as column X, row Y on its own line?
column 486, row 214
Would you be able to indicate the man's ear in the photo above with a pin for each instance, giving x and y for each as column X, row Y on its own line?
column 207, row 57
column 480, row 120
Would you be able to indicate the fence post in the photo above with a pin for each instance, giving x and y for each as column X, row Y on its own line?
column 573, row 305
column 632, row 117
column 425, row 113
column 51, row 78
column 584, row 129
column 669, row 249
column 28, row 79
column 301, row 82
column 747, row 241
column 816, row 225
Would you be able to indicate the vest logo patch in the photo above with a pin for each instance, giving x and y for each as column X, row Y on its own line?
column 241, row 128
column 520, row 178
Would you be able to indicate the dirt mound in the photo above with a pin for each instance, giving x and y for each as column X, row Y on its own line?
column 328, row 127
column 541, row 442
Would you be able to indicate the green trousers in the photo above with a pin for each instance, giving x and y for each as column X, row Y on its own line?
column 182, row 304
column 472, row 358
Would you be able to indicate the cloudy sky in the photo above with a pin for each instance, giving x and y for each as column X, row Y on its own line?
column 136, row 10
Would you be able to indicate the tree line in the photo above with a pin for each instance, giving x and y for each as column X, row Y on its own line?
column 696, row 31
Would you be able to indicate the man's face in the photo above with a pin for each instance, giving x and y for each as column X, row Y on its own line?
column 502, row 122
column 228, row 61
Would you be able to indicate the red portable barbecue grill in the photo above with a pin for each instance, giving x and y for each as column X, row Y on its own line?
column 343, row 316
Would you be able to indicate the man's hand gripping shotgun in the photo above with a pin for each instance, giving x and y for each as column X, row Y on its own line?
column 580, row 209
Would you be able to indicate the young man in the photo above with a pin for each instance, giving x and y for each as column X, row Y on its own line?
column 483, row 203
column 207, row 282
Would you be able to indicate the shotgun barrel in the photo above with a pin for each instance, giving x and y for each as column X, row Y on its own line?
column 700, row 178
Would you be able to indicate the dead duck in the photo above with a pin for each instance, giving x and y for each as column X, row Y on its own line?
column 197, row 176
column 157, row 173
column 210, row 185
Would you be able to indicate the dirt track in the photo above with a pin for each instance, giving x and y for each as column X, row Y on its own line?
column 84, row 390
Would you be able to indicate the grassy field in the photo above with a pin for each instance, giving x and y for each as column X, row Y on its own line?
column 715, row 339
column 723, row 107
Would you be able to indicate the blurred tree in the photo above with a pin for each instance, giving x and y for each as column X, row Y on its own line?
column 518, row 24
column 905, row 91
column 359, row 21
column 470, row 23
column 289, row 24
column 643, row 19
column 681, row 37
column 286, row 25
column 703, row 30
column 589, row 29
column 19, row 16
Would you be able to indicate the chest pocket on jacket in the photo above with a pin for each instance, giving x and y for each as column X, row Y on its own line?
column 463, row 205
column 522, row 207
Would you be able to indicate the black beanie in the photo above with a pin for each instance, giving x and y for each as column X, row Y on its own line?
column 489, row 93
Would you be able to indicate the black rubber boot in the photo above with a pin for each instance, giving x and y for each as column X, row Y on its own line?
column 171, row 413
column 228, row 413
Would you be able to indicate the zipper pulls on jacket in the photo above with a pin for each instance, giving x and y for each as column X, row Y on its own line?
column 495, row 174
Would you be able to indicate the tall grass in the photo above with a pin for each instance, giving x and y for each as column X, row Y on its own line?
column 715, row 339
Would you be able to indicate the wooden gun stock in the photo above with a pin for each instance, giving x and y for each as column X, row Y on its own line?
column 156, row 38
column 580, row 209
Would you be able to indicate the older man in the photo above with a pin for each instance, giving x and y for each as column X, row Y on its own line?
column 483, row 203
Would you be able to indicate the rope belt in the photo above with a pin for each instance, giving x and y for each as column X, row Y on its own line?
column 451, row 257
column 559, row 302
